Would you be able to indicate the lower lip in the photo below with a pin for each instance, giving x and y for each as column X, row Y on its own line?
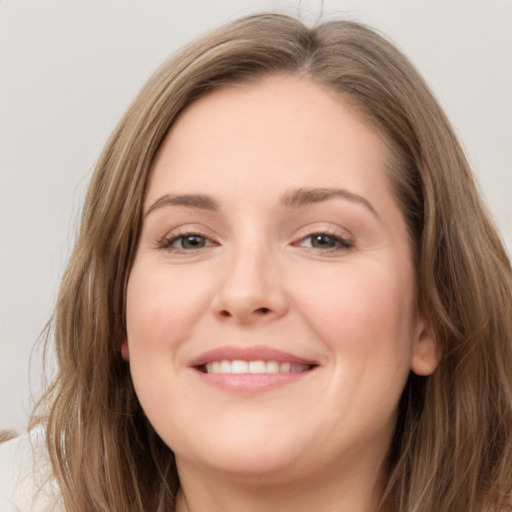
column 250, row 382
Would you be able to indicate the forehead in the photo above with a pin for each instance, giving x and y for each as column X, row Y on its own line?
column 282, row 128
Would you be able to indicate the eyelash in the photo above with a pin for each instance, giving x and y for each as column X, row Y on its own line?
column 341, row 243
column 167, row 241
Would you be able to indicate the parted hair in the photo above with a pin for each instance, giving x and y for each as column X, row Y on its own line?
column 452, row 448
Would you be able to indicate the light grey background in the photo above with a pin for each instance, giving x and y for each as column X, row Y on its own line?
column 70, row 68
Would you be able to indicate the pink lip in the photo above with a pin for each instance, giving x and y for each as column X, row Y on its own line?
column 254, row 353
column 246, row 382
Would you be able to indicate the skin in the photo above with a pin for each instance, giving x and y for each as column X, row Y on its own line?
column 257, row 277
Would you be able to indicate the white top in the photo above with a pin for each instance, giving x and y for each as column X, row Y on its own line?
column 25, row 479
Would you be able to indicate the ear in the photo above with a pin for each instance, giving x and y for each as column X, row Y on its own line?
column 426, row 352
column 124, row 350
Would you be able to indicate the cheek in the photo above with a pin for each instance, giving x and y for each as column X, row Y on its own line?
column 162, row 309
column 363, row 311
column 364, row 314
column 163, row 306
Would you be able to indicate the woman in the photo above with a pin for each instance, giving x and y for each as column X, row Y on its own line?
column 286, row 293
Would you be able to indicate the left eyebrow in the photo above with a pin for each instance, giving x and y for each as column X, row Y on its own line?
column 304, row 196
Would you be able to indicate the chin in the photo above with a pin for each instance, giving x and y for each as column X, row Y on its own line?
column 256, row 466
column 243, row 455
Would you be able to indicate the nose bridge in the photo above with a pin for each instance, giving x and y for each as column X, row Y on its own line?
column 250, row 287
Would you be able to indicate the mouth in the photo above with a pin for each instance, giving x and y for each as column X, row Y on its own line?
column 239, row 366
column 250, row 369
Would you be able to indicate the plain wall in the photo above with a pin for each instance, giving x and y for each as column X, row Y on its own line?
column 70, row 69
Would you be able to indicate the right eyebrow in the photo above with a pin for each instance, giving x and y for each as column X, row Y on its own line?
column 200, row 201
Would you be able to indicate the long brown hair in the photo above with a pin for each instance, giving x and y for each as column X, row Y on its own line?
column 452, row 449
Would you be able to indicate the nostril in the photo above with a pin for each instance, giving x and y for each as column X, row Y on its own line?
column 225, row 313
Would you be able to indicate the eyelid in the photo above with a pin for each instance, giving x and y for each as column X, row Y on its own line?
column 171, row 236
column 317, row 228
column 343, row 242
column 343, row 235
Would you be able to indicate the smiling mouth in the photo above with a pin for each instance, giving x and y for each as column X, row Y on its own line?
column 253, row 367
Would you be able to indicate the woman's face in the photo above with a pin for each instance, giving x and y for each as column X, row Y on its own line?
column 271, row 309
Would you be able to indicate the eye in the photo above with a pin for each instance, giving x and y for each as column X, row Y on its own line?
column 325, row 241
column 186, row 242
column 191, row 242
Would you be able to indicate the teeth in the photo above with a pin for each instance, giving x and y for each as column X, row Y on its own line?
column 238, row 366
column 272, row 367
column 285, row 367
column 256, row 367
column 225, row 367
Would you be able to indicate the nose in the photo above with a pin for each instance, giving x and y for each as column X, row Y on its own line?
column 250, row 288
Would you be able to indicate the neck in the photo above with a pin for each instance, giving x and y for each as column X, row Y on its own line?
column 357, row 490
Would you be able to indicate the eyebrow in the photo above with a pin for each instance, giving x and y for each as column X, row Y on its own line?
column 293, row 199
column 304, row 196
column 200, row 201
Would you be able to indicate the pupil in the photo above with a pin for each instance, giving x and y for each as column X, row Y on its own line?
column 322, row 241
column 193, row 242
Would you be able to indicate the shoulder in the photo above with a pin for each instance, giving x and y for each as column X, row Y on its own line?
column 26, row 484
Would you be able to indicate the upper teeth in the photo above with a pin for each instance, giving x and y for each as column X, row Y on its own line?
column 238, row 366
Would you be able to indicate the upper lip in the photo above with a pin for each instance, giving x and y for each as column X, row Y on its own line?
column 252, row 353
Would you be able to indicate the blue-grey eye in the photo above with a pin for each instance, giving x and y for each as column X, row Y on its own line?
column 191, row 241
column 323, row 241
